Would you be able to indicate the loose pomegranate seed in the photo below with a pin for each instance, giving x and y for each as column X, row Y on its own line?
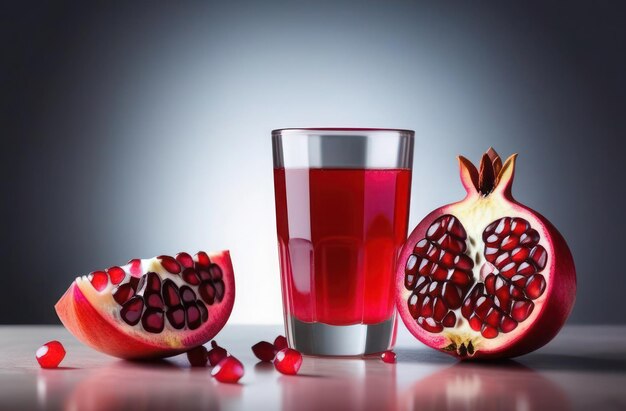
column 197, row 356
column 169, row 263
column 116, row 274
column 184, row 260
column 228, row 370
column 98, row 279
column 264, row 351
column 288, row 361
column 389, row 357
column 50, row 354
column 216, row 354
column 280, row 343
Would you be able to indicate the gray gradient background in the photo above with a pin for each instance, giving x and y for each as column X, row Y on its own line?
column 138, row 130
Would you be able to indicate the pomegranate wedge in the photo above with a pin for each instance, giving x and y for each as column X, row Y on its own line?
column 151, row 308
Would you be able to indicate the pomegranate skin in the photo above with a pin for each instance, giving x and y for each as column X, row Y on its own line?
column 556, row 302
column 89, row 325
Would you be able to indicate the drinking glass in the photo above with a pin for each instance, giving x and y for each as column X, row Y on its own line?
column 342, row 205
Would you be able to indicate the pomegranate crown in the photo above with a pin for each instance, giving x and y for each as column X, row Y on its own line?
column 491, row 176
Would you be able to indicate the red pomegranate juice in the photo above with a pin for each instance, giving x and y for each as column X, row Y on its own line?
column 339, row 232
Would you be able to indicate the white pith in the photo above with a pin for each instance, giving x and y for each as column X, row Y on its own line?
column 475, row 213
column 110, row 309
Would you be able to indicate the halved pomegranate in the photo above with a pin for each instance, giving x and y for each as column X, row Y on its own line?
column 486, row 277
column 155, row 307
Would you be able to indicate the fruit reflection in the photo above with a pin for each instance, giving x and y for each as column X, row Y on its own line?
column 142, row 386
column 502, row 386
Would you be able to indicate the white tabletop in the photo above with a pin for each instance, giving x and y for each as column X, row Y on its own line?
column 583, row 368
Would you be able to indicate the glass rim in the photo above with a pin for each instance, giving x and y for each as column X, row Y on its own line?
column 305, row 130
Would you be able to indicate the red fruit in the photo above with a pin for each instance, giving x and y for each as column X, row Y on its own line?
column 511, row 284
column 50, row 354
column 229, row 370
column 288, row 361
column 197, row 356
column 264, row 351
column 216, row 354
column 152, row 312
column 389, row 357
column 280, row 343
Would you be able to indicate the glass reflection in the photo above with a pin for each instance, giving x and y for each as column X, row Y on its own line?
column 341, row 384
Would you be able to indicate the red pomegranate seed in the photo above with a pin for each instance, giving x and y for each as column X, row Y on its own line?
column 508, row 324
column 421, row 247
column 98, row 279
column 288, row 361
column 264, row 351
column 427, row 307
column 216, row 354
column 504, row 259
column 456, row 228
column 414, row 305
column 529, row 238
column 184, row 260
column 503, row 227
column 535, row 286
column 207, row 292
column 539, row 256
column 176, row 316
column 153, row 320
column 451, row 295
column 280, row 343
column 429, row 324
column 204, row 312
column 521, row 310
column 520, row 254
column 170, row 293
column 169, row 263
column 526, row 269
column 116, row 274
column 187, row 294
column 216, row 272
column 135, row 266
column 50, row 354
column 203, row 259
column 123, row 293
column 197, row 356
column 488, row 331
column 389, row 357
column 193, row 315
column 228, row 370
column 463, row 262
column 190, row 276
column 449, row 320
column 131, row 310
column 519, row 226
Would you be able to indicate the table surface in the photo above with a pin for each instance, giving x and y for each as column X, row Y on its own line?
column 583, row 368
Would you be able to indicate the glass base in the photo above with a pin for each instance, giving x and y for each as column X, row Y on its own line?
column 340, row 340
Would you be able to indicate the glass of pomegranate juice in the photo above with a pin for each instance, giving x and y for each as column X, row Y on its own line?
column 342, row 205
